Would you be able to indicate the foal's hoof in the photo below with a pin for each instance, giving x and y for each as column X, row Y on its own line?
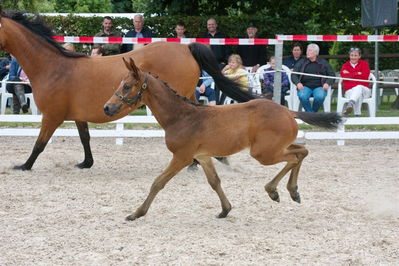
column 131, row 218
column 223, row 214
column 274, row 196
column 296, row 197
column 21, row 167
column 84, row 164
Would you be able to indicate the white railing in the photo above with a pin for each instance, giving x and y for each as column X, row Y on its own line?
column 120, row 132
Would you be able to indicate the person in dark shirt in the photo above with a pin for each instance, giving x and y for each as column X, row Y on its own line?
column 295, row 57
column 139, row 31
column 180, row 31
column 252, row 55
column 221, row 52
column 4, row 67
column 309, row 86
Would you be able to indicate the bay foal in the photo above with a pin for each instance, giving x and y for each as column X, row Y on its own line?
column 200, row 132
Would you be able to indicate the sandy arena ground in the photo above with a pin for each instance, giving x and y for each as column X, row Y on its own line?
column 57, row 214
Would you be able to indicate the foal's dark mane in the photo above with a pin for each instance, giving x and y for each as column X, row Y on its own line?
column 185, row 99
column 37, row 27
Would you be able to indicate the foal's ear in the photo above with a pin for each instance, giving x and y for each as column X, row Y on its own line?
column 135, row 70
column 127, row 64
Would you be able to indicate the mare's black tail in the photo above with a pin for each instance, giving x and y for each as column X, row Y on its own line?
column 326, row 120
column 207, row 61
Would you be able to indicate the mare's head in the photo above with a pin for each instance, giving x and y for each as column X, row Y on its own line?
column 129, row 92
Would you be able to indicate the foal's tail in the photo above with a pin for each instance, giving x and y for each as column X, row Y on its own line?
column 326, row 120
column 207, row 61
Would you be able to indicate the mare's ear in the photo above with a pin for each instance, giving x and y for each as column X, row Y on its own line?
column 127, row 64
column 134, row 69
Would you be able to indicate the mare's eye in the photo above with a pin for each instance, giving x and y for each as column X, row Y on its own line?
column 126, row 88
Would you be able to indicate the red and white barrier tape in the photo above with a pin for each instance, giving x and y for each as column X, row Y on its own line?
column 339, row 38
column 127, row 40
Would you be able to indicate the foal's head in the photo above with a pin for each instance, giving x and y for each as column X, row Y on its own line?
column 129, row 92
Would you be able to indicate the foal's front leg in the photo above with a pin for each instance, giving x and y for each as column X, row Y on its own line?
column 214, row 181
column 159, row 183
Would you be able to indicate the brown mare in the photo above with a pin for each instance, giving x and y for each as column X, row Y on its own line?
column 72, row 86
column 199, row 132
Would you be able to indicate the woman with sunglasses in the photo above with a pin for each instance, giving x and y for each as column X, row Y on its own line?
column 356, row 91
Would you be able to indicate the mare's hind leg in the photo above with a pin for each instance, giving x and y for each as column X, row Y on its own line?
column 46, row 131
column 159, row 183
column 214, row 181
column 84, row 135
column 292, row 185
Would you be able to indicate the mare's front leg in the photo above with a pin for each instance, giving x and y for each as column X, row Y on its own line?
column 84, row 135
column 49, row 125
column 214, row 181
column 159, row 183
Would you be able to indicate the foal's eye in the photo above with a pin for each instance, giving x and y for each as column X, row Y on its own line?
column 126, row 88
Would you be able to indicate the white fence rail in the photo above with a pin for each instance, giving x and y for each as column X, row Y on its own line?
column 120, row 132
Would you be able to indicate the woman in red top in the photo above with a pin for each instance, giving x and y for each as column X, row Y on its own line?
column 356, row 91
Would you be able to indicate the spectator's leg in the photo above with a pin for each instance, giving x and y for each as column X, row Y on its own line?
column 318, row 98
column 16, row 107
column 197, row 95
column 210, row 93
column 304, row 96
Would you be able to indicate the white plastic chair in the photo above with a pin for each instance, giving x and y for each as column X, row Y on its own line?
column 371, row 102
column 5, row 95
column 296, row 104
column 253, row 81
column 391, row 76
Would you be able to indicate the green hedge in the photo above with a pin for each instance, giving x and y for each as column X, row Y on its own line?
column 234, row 27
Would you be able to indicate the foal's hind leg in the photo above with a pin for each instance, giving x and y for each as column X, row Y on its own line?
column 85, row 139
column 214, row 181
column 159, row 183
column 292, row 185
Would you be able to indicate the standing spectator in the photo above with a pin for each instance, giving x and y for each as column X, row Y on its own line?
column 139, row 31
column 18, row 90
column 252, row 55
column 268, row 82
column 109, row 48
column 221, row 52
column 295, row 57
column 180, row 30
column 309, row 86
column 356, row 91
column 4, row 67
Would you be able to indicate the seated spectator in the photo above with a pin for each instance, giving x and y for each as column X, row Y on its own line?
column 268, row 82
column 138, row 31
column 204, row 88
column 356, row 91
column 295, row 57
column 4, row 67
column 252, row 55
column 309, row 86
column 180, row 31
column 107, row 31
column 235, row 71
column 99, row 51
column 18, row 90
column 69, row 46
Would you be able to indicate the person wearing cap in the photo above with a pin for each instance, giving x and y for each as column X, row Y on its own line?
column 252, row 55
column 356, row 91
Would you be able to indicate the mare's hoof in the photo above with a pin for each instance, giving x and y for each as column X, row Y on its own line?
column 84, row 164
column 296, row 197
column 131, row 218
column 274, row 196
column 21, row 167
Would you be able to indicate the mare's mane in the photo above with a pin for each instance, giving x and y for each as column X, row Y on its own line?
column 37, row 27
